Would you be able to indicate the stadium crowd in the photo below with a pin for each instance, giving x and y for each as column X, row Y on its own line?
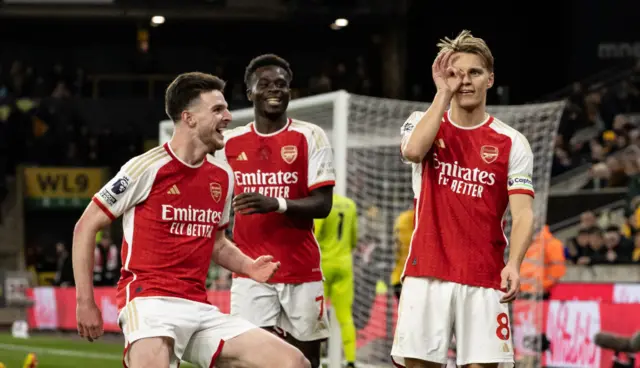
column 599, row 127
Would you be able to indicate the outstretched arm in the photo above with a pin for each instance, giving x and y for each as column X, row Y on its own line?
column 227, row 255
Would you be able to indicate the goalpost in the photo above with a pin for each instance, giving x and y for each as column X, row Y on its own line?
column 365, row 135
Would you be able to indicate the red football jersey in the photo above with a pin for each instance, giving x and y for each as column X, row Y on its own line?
column 462, row 189
column 288, row 163
column 171, row 212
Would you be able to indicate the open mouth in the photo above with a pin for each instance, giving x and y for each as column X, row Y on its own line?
column 274, row 101
column 466, row 93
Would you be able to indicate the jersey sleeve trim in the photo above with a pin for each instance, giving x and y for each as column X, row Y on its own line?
column 522, row 191
column 325, row 183
column 104, row 208
column 137, row 166
column 226, row 212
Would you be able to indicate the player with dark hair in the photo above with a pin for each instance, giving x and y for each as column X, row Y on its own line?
column 176, row 201
column 284, row 180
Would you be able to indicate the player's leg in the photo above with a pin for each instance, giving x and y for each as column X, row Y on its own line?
column 156, row 331
column 151, row 352
column 311, row 350
column 482, row 328
column 304, row 317
column 229, row 341
column 256, row 303
column 425, row 323
column 341, row 294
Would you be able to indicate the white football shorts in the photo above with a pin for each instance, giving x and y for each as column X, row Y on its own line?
column 297, row 309
column 431, row 311
column 198, row 330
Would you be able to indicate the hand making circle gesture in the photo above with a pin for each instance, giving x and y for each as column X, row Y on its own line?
column 445, row 76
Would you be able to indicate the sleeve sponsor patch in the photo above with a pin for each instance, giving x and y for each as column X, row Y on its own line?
column 120, row 185
column 407, row 127
column 107, row 197
column 520, row 182
column 115, row 189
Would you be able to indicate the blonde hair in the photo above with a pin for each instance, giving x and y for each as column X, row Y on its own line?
column 465, row 42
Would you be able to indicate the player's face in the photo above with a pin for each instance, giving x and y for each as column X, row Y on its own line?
column 476, row 80
column 210, row 116
column 270, row 92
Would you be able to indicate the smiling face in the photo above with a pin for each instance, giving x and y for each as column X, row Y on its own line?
column 208, row 116
column 477, row 79
column 270, row 90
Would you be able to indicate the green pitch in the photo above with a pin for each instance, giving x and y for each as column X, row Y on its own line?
column 62, row 351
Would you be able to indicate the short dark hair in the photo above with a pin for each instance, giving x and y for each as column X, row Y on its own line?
column 584, row 232
column 612, row 229
column 595, row 230
column 266, row 60
column 185, row 89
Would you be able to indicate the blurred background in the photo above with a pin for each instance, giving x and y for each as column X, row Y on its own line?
column 81, row 92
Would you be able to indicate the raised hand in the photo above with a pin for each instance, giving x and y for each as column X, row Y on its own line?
column 445, row 76
column 262, row 269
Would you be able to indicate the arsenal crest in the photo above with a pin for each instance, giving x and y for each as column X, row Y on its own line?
column 489, row 153
column 216, row 191
column 289, row 153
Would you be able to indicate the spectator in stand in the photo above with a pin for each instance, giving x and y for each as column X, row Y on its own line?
column 618, row 248
column 579, row 246
column 64, row 269
column 631, row 225
column 617, row 176
column 588, row 220
column 635, row 253
column 562, row 160
column 596, row 252
column 107, row 257
column 621, row 99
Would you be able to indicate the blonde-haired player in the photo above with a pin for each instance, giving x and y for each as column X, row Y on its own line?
column 468, row 167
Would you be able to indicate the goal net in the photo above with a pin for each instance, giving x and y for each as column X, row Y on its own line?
column 365, row 134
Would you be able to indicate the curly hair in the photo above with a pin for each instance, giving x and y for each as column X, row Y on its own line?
column 266, row 60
